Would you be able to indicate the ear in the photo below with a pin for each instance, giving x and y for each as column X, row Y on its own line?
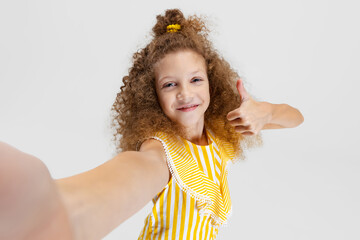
column 241, row 89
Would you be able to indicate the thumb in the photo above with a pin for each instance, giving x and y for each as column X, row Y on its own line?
column 241, row 89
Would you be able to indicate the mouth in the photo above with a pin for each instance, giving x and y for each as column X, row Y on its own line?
column 188, row 108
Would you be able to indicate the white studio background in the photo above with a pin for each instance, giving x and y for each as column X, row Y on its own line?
column 62, row 63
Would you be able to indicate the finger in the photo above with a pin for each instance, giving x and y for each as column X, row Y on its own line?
column 233, row 115
column 241, row 89
column 238, row 122
column 247, row 133
column 242, row 129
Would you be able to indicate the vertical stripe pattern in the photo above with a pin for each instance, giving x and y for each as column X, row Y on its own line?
column 175, row 213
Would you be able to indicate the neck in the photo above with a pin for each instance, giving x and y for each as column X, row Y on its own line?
column 196, row 135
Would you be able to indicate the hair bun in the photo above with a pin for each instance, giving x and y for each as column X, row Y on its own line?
column 171, row 16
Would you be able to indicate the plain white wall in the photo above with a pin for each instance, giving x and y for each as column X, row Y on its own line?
column 62, row 63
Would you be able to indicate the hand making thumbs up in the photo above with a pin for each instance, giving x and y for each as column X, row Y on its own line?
column 251, row 116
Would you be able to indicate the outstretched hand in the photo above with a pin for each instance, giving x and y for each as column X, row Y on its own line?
column 251, row 116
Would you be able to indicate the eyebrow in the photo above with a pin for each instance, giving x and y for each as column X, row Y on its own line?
column 193, row 73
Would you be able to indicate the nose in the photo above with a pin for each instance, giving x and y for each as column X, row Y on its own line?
column 184, row 93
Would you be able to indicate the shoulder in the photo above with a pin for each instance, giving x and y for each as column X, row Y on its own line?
column 153, row 145
column 154, row 149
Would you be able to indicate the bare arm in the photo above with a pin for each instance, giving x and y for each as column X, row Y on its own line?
column 30, row 204
column 101, row 199
column 282, row 116
column 253, row 116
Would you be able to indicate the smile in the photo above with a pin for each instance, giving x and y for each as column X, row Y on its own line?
column 188, row 108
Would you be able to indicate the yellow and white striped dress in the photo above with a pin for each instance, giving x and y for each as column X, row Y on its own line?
column 196, row 201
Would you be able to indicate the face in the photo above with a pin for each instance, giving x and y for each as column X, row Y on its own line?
column 182, row 87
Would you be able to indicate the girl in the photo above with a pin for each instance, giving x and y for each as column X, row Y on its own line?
column 181, row 116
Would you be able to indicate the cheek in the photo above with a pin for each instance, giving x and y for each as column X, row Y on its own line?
column 206, row 94
column 161, row 103
column 160, row 98
column 164, row 102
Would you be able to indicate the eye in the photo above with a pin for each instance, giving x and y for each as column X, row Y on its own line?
column 168, row 85
column 197, row 80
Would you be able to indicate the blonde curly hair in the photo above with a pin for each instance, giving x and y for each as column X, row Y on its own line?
column 137, row 114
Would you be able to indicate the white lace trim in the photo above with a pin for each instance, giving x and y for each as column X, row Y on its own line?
column 198, row 197
column 218, row 221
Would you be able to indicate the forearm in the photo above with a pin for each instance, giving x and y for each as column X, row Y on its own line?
column 283, row 116
column 101, row 199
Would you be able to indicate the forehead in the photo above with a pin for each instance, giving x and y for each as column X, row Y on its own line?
column 179, row 62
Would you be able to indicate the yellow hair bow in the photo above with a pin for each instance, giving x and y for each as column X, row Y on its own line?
column 173, row 28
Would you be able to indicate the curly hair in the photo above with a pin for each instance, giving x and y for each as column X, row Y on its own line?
column 137, row 112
